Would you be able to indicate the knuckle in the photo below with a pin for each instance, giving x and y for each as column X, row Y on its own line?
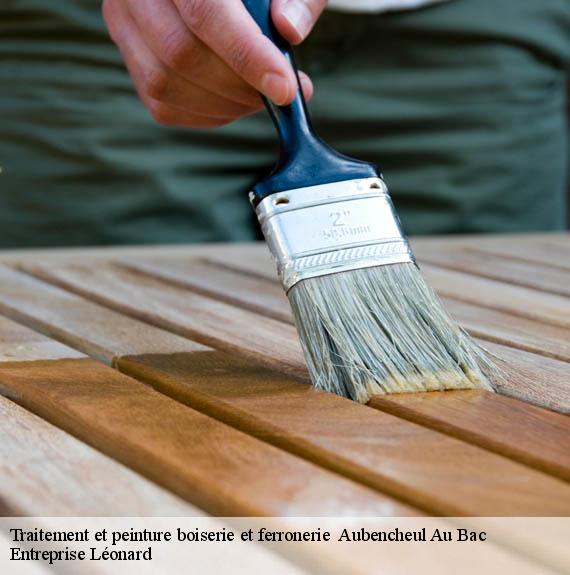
column 199, row 14
column 156, row 83
column 178, row 50
column 241, row 55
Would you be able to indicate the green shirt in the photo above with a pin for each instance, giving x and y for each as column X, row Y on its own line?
column 462, row 104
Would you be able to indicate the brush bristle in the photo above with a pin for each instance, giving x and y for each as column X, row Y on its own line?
column 382, row 330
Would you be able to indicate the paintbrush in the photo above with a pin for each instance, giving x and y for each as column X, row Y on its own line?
column 367, row 321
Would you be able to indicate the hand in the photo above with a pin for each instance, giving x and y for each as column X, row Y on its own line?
column 201, row 63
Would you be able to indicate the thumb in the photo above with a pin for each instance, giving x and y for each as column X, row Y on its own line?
column 295, row 18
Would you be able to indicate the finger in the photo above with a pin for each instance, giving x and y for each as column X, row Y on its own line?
column 155, row 82
column 166, row 34
column 175, row 91
column 295, row 18
column 228, row 29
column 306, row 85
column 169, row 115
column 165, row 85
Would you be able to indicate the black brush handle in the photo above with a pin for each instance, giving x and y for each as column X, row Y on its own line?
column 304, row 160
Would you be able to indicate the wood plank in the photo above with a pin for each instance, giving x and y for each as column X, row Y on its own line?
column 209, row 322
column 511, row 330
column 218, row 468
column 93, row 254
column 412, row 462
column 556, row 255
column 518, row 430
column 47, row 472
column 524, row 302
column 267, row 297
column 25, row 299
column 561, row 240
column 258, row 264
column 221, row 325
column 519, row 301
column 409, row 461
column 214, row 466
column 18, row 343
column 473, row 241
column 539, row 380
column 518, row 272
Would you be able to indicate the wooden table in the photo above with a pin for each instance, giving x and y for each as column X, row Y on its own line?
column 169, row 381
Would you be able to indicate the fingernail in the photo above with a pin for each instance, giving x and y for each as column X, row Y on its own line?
column 299, row 16
column 275, row 87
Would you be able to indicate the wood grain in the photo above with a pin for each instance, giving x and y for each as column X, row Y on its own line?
column 273, row 343
column 38, row 305
column 514, row 271
column 18, row 343
column 532, row 378
column 551, row 253
column 215, row 467
column 60, row 471
column 524, row 302
column 383, row 454
column 411, row 462
column 518, row 430
column 221, row 469
column 540, row 380
column 47, row 472
column 253, row 293
column 482, row 292
column 257, row 265
column 511, row 330
column 94, row 254
column 267, row 297
column 207, row 321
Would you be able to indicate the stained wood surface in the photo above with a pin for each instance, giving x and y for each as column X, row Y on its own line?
column 214, row 466
column 204, row 339
column 515, row 429
column 409, row 461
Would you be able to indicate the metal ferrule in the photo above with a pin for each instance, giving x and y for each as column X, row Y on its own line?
column 332, row 228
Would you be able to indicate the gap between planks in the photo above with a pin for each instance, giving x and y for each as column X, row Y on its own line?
column 303, row 397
